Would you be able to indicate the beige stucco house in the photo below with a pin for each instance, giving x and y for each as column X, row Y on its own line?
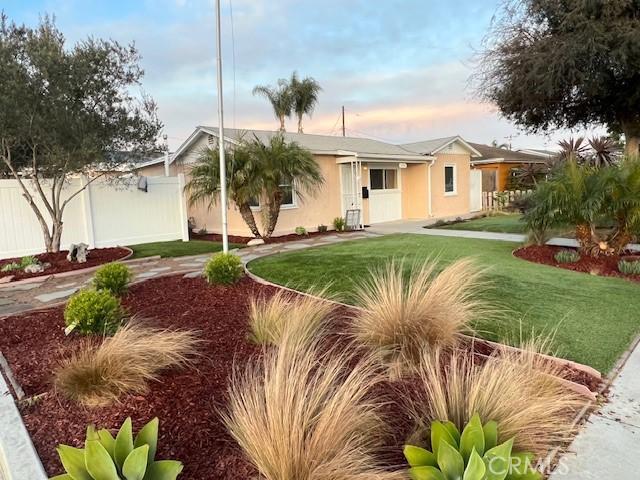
column 385, row 182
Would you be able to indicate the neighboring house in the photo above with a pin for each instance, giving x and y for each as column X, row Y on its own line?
column 537, row 152
column 385, row 182
column 497, row 165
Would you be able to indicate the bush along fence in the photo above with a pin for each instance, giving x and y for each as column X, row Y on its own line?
column 500, row 200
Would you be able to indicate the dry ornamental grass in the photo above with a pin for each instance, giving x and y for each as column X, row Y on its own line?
column 99, row 374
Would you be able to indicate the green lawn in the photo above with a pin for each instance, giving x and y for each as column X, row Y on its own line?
column 508, row 223
column 176, row 248
column 596, row 317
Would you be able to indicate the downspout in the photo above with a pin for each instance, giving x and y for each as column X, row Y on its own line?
column 430, row 189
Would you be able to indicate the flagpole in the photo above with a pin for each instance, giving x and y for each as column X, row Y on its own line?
column 223, row 167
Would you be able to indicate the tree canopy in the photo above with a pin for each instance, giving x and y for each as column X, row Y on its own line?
column 67, row 110
column 550, row 63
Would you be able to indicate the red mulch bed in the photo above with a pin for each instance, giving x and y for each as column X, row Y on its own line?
column 59, row 262
column 292, row 237
column 604, row 266
column 187, row 401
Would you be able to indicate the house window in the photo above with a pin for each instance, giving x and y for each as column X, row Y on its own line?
column 383, row 179
column 254, row 202
column 450, row 179
column 289, row 194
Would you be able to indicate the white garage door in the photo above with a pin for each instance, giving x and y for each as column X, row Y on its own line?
column 385, row 195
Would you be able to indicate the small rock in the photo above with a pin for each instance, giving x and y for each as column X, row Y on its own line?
column 255, row 241
column 78, row 252
column 34, row 268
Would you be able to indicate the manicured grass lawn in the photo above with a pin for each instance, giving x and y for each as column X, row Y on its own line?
column 508, row 223
column 595, row 317
column 176, row 248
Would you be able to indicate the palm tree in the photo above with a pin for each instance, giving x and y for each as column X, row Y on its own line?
column 604, row 151
column 283, row 165
column 572, row 149
column 280, row 98
column 305, row 96
column 244, row 183
column 623, row 205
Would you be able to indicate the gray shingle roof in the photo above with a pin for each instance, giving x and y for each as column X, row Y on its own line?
column 489, row 152
column 428, row 147
column 321, row 143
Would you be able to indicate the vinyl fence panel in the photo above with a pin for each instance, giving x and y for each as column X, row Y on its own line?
column 105, row 214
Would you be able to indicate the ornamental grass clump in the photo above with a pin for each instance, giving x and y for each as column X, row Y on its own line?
column 96, row 374
column 300, row 315
column 629, row 267
column 566, row 256
column 121, row 458
column 306, row 415
column 402, row 313
column 520, row 390
column 114, row 277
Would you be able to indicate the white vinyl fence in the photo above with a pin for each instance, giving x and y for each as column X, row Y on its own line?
column 106, row 214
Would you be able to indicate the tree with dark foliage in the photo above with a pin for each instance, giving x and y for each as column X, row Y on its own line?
column 66, row 112
column 568, row 63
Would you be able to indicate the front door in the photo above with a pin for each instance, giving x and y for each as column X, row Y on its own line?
column 385, row 194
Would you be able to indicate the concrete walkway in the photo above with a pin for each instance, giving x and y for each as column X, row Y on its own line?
column 417, row 227
column 608, row 444
column 49, row 291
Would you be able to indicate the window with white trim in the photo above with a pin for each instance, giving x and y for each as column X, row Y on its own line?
column 289, row 194
column 383, row 178
column 450, row 187
column 254, row 202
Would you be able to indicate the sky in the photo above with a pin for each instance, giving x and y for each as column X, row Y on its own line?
column 401, row 68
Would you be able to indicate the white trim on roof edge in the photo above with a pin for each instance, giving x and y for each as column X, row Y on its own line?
column 458, row 138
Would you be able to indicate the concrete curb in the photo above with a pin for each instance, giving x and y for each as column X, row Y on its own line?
column 18, row 457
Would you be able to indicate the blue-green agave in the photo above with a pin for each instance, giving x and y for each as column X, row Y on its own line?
column 472, row 455
column 120, row 458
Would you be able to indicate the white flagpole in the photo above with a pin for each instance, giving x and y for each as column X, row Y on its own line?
column 223, row 169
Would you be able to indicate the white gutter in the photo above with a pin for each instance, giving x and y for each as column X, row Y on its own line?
column 430, row 208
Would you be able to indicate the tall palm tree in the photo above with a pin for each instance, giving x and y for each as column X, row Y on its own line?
column 283, row 164
column 305, row 96
column 244, row 183
column 280, row 97
column 623, row 204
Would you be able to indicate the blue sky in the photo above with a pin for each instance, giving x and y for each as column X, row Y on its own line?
column 400, row 67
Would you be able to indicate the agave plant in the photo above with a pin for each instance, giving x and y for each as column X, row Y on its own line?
column 472, row 455
column 120, row 458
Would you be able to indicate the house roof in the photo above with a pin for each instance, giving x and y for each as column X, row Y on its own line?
column 539, row 152
column 318, row 144
column 491, row 154
column 431, row 147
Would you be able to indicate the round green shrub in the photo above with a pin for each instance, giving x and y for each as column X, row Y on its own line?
column 223, row 268
column 93, row 311
column 629, row 267
column 567, row 256
column 114, row 277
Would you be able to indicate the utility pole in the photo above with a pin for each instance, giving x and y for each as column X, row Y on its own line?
column 510, row 138
column 223, row 165
column 344, row 134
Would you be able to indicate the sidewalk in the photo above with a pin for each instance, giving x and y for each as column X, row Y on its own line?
column 608, row 444
column 18, row 298
column 417, row 227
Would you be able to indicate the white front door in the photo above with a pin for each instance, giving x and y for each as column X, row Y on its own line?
column 385, row 194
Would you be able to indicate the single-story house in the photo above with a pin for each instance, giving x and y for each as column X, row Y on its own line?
column 497, row 164
column 385, row 182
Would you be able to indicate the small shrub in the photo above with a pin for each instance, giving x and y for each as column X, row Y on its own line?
column 114, row 277
column 10, row 267
column 401, row 314
column 223, row 268
column 28, row 260
column 93, row 311
column 322, row 228
column 518, row 389
column 301, row 231
column 566, row 256
column 286, row 312
column 99, row 374
column 339, row 223
column 473, row 454
column 104, row 456
column 629, row 267
column 297, row 421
